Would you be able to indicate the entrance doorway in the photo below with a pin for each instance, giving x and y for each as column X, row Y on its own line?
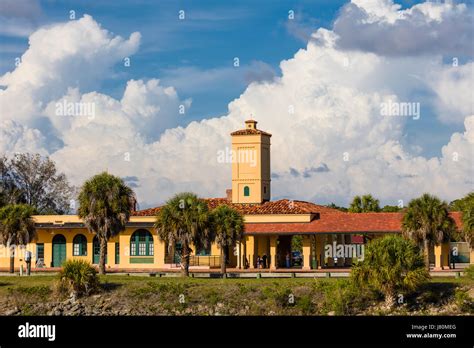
column 59, row 250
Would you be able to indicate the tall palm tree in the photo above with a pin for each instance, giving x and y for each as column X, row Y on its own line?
column 391, row 265
column 105, row 205
column 427, row 222
column 228, row 229
column 364, row 204
column 184, row 219
column 17, row 227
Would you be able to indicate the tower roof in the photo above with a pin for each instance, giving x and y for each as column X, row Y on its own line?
column 250, row 129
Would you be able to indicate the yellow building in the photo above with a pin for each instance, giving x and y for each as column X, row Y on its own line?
column 330, row 238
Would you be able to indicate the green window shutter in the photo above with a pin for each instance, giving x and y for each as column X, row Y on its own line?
column 246, row 191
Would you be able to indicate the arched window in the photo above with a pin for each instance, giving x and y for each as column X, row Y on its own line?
column 79, row 245
column 246, row 191
column 141, row 243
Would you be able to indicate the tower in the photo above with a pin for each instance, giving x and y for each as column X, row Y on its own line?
column 250, row 164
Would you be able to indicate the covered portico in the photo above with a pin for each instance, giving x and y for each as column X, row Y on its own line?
column 331, row 240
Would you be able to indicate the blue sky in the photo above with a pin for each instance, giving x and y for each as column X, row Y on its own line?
column 211, row 36
column 195, row 56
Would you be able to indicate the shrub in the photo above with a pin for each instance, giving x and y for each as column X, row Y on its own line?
column 78, row 277
column 391, row 265
column 469, row 272
column 463, row 301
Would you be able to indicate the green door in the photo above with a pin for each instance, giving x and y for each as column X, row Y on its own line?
column 96, row 251
column 59, row 250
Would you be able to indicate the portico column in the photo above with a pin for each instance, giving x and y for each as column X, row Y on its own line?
column 441, row 256
column 273, row 252
column 306, row 253
column 239, row 258
column 251, row 251
column 320, row 251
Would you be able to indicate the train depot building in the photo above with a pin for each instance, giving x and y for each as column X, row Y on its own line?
column 330, row 238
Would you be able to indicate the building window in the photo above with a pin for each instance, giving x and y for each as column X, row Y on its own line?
column 264, row 189
column 79, row 245
column 117, row 253
column 141, row 243
column 246, row 191
column 39, row 251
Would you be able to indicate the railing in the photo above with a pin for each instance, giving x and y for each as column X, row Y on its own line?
column 196, row 260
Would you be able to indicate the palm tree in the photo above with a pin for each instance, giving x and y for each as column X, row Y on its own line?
column 427, row 222
column 17, row 227
column 364, row 204
column 105, row 205
column 228, row 229
column 184, row 219
column 392, row 265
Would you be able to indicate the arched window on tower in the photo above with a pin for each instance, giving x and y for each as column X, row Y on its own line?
column 246, row 191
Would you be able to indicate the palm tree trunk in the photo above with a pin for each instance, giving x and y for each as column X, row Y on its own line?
column 103, row 251
column 185, row 260
column 426, row 251
column 12, row 264
column 223, row 264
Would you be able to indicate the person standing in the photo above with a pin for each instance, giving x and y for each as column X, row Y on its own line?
column 264, row 260
column 28, row 261
column 288, row 259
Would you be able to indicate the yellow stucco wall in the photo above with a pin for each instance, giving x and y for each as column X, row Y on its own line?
column 251, row 168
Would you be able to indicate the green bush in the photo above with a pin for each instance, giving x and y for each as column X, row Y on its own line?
column 469, row 272
column 391, row 265
column 78, row 277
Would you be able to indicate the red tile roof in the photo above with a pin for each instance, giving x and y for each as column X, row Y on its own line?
column 329, row 220
column 250, row 131
column 282, row 206
column 340, row 223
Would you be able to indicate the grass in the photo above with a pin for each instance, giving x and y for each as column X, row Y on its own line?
column 203, row 296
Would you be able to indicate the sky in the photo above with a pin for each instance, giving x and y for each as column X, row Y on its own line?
column 167, row 90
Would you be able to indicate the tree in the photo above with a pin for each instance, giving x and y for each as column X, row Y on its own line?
column 228, row 229
column 185, row 219
column 17, row 227
column 427, row 222
column 391, row 265
column 391, row 209
column 364, row 204
column 105, row 205
column 334, row 206
column 466, row 206
column 34, row 180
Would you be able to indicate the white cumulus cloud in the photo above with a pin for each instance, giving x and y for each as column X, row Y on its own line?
column 330, row 140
